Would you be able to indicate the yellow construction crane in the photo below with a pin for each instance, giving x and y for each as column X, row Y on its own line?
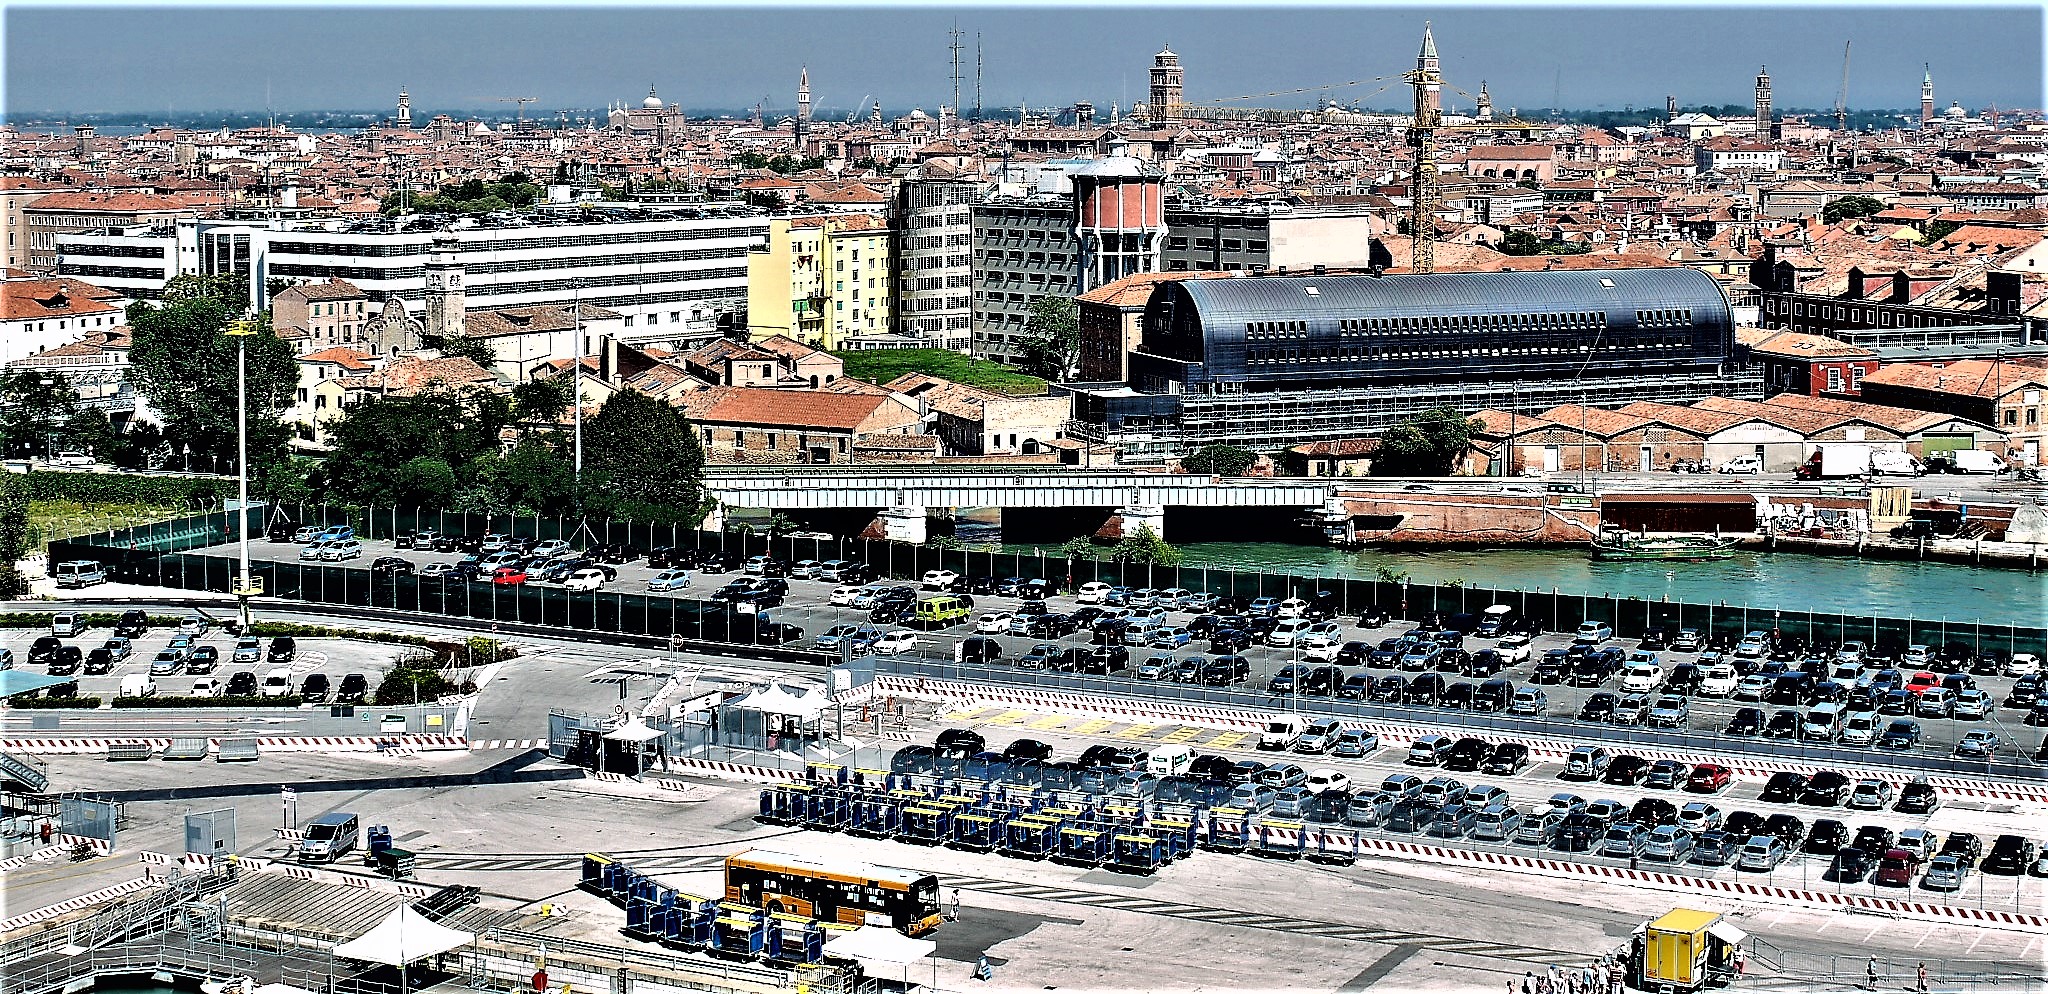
column 522, row 102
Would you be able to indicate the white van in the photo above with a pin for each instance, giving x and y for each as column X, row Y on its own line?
column 277, row 683
column 80, row 573
column 138, row 685
column 1170, row 761
column 1282, row 732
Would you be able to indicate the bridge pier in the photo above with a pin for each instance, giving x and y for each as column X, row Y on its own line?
column 714, row 519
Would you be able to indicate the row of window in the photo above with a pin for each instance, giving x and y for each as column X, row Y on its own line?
column 1880, row 317
column 1665, row 317
column 111, row 251
column 1229, row 244
column 1266, row 353
column 1561, row 321
column 633, row 259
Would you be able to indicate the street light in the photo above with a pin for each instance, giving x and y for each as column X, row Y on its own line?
column 245, row 587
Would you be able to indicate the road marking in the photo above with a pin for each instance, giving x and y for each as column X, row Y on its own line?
column 1091, row 726
column 1137, row 731
column 1227, row 739
column 1049, row 721
column 1009, row 717
column 1184, row 733
column 966, row 713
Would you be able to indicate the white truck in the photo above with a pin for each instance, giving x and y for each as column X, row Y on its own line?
column 1835, row 460
column 1975, row 461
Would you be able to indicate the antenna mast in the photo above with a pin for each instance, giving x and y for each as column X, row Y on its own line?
column 955, row 47
column 1842, row 95
column 977, row 75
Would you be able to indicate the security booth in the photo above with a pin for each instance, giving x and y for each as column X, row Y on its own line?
column 1138, row 853
column 739, row 931
column 631, row 748
column 1083, row 847
column 1281, row 839
column 975, row 832
column 1031, row 837
column 775, row 718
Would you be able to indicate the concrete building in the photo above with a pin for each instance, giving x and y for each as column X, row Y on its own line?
column 323, row 315
column 53, row 215
column 677, row 274
column 42, row 313
column 1270, row 238
column 530, row 341
column 1810, row 364
column 1512, row 162
column 822, row 280
column 17, row 192
column 1275, row 361
column 1024, row 249
column 790, row 427
column 1119, row 219
column 934, row 293
column 971, row 421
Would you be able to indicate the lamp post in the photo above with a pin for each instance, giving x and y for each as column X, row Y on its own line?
column 244, row 584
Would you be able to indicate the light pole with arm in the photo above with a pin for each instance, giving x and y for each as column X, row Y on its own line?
column 244, row 587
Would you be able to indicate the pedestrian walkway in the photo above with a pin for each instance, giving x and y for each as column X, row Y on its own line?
column 1214, row 738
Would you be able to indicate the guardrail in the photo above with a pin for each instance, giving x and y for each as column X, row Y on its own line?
column 1141, row 697
column 209, row 962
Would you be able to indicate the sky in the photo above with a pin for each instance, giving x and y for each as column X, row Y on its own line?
column 104, row 58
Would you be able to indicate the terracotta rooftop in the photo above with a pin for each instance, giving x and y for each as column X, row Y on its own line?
column 759, row 407
column 59, row 297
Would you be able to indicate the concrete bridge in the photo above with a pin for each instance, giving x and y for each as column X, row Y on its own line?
column 903, row 494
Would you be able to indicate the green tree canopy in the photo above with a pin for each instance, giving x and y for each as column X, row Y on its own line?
column 542, row 400
column 183, row 360
column 1428, row 444
column 1520, row 242
column 1145, row 546
column 1051, row 346
column 516, row 191
column 407, row 450
column 1220, row 460
column 1843, row 208
column 476, row 350
column 13, row 536
column 33, row 406
column 532, row 479
column 643, row 460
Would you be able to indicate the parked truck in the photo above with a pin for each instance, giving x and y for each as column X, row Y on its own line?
column 1835, row 460
column 1973, row 461
column 1685, row 950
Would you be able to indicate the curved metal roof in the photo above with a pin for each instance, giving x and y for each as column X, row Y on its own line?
column 1619, row 291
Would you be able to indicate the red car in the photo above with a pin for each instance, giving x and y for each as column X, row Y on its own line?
column 1922, row 681
column 1708, row 777
column 511, row 576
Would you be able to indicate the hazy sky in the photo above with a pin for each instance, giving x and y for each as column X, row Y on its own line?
column 106, row 58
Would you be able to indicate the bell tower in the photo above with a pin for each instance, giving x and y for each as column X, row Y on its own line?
column 1763, row 104
column 446, row 298
column 1927, row 97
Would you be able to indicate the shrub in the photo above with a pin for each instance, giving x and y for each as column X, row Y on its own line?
column 406, row 684
column 53, row 703
column 239, row 701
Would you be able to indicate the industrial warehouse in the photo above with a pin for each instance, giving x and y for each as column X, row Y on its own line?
column 1272, row 361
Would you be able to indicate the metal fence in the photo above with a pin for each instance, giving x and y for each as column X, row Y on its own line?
column 1497, row 724
column 144, row 555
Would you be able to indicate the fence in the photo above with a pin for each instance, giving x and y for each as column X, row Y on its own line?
column 147, row 554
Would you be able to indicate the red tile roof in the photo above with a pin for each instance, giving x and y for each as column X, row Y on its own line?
column 759, row 407
column 22, row 300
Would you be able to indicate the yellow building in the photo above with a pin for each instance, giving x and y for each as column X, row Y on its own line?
column 821, row 280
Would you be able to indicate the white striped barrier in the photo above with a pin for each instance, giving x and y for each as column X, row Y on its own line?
column 37, row 856
column 100, row 896
column 279, row 743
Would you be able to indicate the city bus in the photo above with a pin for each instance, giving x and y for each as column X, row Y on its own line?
column 840, row 891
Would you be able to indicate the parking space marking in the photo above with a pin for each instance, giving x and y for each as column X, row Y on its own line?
column 1091, row 726
column 1227, row 739
column 966, row 713
column 1049, row 721
column 1009, row 717
column 1137, row 731
column 1184, row 733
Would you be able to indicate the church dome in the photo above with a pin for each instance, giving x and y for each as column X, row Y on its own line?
column 1955, row 112
column 652, row 102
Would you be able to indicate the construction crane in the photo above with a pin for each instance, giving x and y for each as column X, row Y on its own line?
column 1842, row 95
column 854, row 114
column 522, row 102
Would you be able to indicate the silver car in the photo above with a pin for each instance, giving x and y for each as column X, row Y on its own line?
column 1946, row 873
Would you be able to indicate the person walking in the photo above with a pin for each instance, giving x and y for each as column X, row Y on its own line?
column 1923, row 975
column 1870, row 971
column 956, row 904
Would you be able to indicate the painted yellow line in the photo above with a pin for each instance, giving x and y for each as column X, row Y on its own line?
column 1227, row 739
column 1184, row 733
column 1091, row 726
column 1137, row 731
column 1009, row 716
column 1049, row 721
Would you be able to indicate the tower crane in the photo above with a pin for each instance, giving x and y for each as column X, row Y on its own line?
column 522, row 102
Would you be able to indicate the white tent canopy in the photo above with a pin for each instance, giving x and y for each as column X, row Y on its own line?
column 634, row 731
column 404, row 936
column 776, row 700
column 874, row 944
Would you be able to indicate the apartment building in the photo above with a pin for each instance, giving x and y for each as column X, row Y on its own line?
column 822, row 280
column 934, row 301
column 1024, row 249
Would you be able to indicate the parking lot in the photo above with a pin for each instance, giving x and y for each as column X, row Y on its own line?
column 807, row 605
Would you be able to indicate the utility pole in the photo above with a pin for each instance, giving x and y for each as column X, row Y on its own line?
column 244, row 588
column 576, row 396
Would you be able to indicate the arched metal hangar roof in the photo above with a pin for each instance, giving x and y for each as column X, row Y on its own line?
column 1621, row 292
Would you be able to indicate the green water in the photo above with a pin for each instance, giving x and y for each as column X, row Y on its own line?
column 1781, row 580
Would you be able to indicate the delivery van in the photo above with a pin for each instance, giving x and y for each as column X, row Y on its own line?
column 940, row 612
column 329, row 837
column 138, row 685
column 1282, row 732
column 1170, row 761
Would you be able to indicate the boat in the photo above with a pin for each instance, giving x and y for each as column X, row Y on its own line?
column 1623, row 546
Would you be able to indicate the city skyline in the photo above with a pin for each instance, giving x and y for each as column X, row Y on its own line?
column 713, row 59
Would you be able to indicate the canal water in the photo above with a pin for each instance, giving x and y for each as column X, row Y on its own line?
column 1835, row 584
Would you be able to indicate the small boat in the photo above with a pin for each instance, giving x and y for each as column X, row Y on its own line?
column 1621, row 545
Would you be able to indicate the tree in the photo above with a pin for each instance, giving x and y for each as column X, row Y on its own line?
column 1843, row 208
column 13, row 537
column 231, row 289
column 1145, row 546
column 1051, row 346
column 542, row 400
column 33, row 406
column 183, row 360
column 1425, row 445
column 648, row 461
column 1938, row 230
column 476, row 350
column 378, row 444
column 531, row 479
column 1220, row 460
